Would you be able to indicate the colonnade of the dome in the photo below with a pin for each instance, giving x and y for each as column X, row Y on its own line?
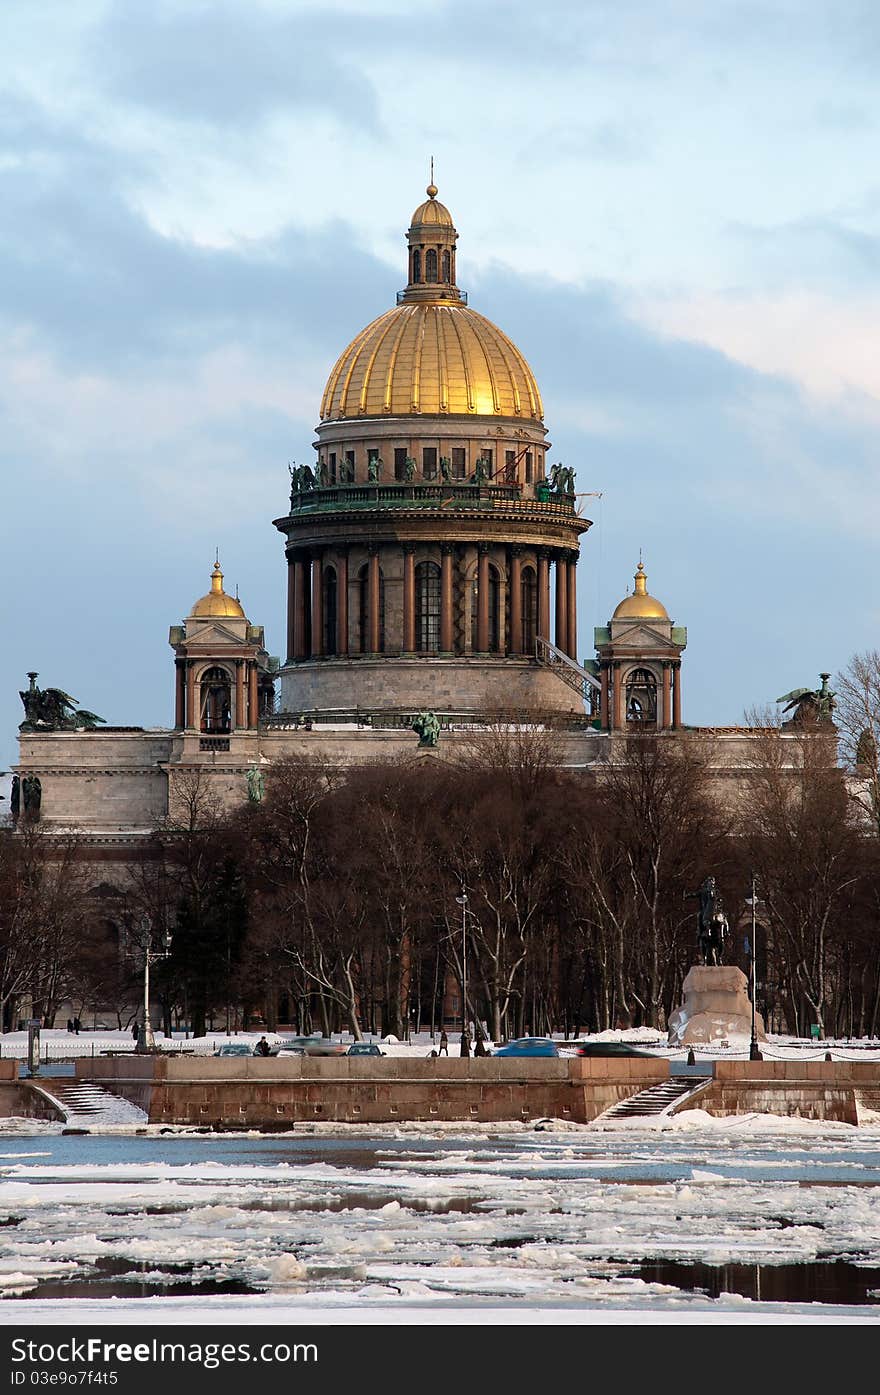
column 429, row 597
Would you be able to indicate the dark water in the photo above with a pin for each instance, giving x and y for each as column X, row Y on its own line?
column 829, row 1281
column 118, row 1278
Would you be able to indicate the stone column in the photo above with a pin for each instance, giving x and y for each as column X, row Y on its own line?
column 409, row 599
column 604, row 712
column 618, row 697
column 483, row 599
column 291, row 606
column 561, row 602
column 446, row 618
column 373, row 600
column 543, row 594
column 179, row 693
column 253, row 698
column 192, row 710
column 300, row 576
column 238, row 716
column 317, row 606
column 676, row 695
column 666, row 708
column 342, row 603
column 572, row 608
column 514, row 601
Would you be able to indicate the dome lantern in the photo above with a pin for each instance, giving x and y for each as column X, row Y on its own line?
column 431, row 238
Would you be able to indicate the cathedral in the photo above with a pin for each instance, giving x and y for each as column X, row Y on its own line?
column 432, row 553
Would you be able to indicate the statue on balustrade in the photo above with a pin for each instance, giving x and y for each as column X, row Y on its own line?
column 427, row 725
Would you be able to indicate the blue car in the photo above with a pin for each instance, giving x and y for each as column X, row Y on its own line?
column 528, row 1046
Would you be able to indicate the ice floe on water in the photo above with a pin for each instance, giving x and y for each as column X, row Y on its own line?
column 522, row 1218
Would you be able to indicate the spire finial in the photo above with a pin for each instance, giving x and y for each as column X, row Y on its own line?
column 431, row 190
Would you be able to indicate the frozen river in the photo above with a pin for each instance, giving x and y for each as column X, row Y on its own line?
column 695, row 1218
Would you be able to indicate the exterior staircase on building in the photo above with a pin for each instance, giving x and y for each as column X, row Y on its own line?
column 568, row 669
column 85, row 1105
column 658, row 1099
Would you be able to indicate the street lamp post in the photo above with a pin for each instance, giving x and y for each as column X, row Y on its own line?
column 754, row 1051
column 465, row 1048
column 146, row 1041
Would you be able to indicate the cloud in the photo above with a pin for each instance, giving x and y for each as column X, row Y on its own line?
column 225, row 63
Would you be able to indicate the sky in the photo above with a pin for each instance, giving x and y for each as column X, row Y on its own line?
column 673, row 208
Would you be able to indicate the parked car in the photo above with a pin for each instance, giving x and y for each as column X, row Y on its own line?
column 528, row 1046
column 364, row 1048
column 234, row 1048
column 607, row 1048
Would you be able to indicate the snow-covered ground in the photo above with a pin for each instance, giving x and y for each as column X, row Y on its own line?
column 542, row 1223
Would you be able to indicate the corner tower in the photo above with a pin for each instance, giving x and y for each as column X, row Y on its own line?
column 640, row 664
column 420, row 547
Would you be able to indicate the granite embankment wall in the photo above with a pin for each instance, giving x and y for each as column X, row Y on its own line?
column 250, row 1092
column 843, row 1091
column 20, row 1100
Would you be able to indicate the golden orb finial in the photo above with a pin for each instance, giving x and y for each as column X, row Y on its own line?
column 432, row 190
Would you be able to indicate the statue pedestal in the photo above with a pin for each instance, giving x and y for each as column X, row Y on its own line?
column 716, row 1004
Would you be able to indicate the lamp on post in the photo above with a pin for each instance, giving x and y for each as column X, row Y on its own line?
column 754, row 1051
column 146, row 1042
column 465, row 1049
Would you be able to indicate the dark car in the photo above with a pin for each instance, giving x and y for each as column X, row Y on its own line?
column 608, row 1048
column 528, row 1046
column 364, row 1048
column 309, row 1046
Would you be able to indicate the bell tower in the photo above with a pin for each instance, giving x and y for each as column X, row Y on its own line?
column 639, row 664
column 224, row 677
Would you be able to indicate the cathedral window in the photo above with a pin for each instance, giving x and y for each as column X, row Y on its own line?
column 330, row 611
column 529, row 593
column 494, row 612
column 400, row 458
column 510, row 466
column 488, row 461
column 447, row 276
column 349, row 467
column 416, row 266
column 429, row 462
column 364, row 610
column 431, row 264
column 530, row 469
column 641, row 697
column 459, row 463
column 427, row 607
column 331, row 473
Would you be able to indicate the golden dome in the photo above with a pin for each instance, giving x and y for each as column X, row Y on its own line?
column 217, row 602
column 435, row 357
column 431, row 213
column 640, row 605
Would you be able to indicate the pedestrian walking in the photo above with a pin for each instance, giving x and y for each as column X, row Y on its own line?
column 444, row 1044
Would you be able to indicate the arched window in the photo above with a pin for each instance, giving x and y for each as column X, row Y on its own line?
column 447, row 262
column 494, row 611
column 329, row 610
column 215, row 700
column 431, row 265
column 416, row 266
column 364, row 609
column 641, row 697
column 427, row 607
column 529, row 593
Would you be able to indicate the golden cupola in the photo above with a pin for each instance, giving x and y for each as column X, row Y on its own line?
column 641, row 605
column 217, row 603
column 431, row 355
